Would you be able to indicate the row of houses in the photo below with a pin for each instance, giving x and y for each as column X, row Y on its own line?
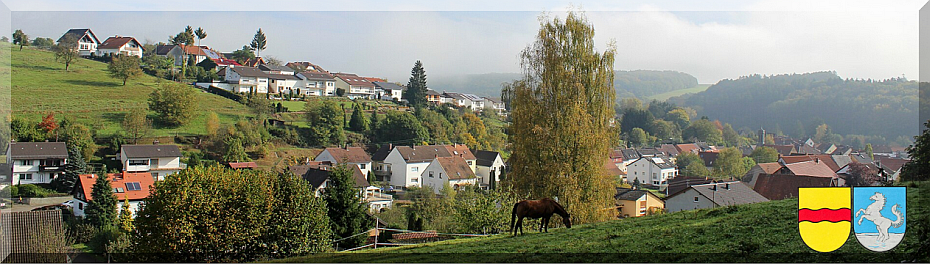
column 88, row 44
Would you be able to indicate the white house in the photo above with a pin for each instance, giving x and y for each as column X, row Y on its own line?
column 246, row 79
column 355, row 86
column 36, row 162
column 389, row 91
column 159, row 160
column 87, row 41
column 128, row 46
column 489, row 167
column 655, row 171
column 712, row 195
column 495, row 104
column 351, row 155
column 453, row 170
column 281, row 79
column 406, row 164
column 181, row 52
column 126, row 186
column 315, row 84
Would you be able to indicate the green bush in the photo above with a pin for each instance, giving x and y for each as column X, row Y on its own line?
column 32, row 191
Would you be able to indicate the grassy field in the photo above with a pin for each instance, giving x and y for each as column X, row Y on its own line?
column 667, row 95
column 89, row 95
column 765, row 232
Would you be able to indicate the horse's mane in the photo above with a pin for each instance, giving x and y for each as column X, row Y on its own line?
column 880, row 201
column 558, row 206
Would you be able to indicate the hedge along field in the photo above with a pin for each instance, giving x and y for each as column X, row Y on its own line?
column 90, row 96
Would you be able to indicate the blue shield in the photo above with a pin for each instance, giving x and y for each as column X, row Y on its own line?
column 879, row 216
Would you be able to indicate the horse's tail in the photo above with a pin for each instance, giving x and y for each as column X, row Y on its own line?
column 897, row 222
column 513, row 216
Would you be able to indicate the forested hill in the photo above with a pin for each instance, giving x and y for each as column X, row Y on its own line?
column 639, row 83
column 796, row 103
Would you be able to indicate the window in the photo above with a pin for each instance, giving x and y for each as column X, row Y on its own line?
column 118, row 190
column 695, row 199
column 26, row 162
column 415, row 169
column 133, row 186
column 361, row 166
column 25, row 176
column 414, row 180
column 469, row 163
column 153, row 162
column 431, row 174
column 440, row 175
column 138, row 162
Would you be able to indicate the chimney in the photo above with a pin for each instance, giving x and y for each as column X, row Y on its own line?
column 390, row 146
column 727, row 186
column 817, row 160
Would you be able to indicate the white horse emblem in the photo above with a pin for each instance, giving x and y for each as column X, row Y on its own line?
column 873, row 214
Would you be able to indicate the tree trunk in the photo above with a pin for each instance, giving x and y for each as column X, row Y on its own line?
column 66, row 65
column 124, row 81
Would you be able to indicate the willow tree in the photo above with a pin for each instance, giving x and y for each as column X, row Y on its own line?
column 562, row 111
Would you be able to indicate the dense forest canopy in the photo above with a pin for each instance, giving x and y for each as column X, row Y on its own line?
column 797, row 103
column 638, row 83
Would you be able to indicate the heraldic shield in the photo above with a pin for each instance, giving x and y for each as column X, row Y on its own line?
column 824, row 217
column 880, row 218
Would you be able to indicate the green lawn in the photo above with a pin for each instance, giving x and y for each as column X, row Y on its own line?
column 765, row 232
column 294, row 106
column 667, row 95
column 89, row 95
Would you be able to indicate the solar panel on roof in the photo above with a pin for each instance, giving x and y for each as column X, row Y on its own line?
column 133, row 186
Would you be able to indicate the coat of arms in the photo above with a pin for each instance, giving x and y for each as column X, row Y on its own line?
column 824, row 217
column 880, row 216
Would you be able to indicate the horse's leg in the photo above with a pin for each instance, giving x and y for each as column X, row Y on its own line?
column 520, row 225
column 546, row 225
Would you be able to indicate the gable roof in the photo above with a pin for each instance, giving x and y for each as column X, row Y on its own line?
column 826, row 159
column 353, row 79
column 418, row 154
column 317, row 76
column 151, row 151
column 783, row 150
column 709, row 157
column 456, row 167
column 664, row 162
column 628, row 194
column 862, row 158
column 117, row 42
column 486, row 158
column 432, row 92
column 306, row 66
column 38, row 150
column 680, row 183
column 269, row 67
column 783, row 186
column 460, row 150
column 250, row 72
column 243, row 165
column 119, row 180
column 301, row 169
column 253, row 62
column 389, row 86
column 317, row 176
column 382, row 152
column 79, row 33
column 612, row 169
column 163, row 49
column 682, row 148
column 811, row 168
column 350, row 154
column 719, row 193
column 668, row 149
column 893, row 164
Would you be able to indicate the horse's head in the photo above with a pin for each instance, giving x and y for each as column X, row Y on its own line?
column 567, row 221
column 877, row 197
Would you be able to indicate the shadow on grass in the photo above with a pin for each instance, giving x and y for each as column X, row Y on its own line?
column 93, row 83
column 38, row 67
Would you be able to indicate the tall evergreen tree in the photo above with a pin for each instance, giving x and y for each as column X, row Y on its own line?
column 416, row 87
column 258, row 42
column 358, row 122
column 346, row 212
column 101, row 209
column 201, row 34
column 125, row 218
column 73, row 169
column 565, row 100
column 185, row 38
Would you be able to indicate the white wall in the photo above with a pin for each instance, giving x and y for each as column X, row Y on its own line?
column 685, row 201
column 438, row 179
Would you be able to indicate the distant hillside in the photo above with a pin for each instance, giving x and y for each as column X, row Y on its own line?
column 762, row 232
column 639, row 83
column 89, row 95
column 885, row 108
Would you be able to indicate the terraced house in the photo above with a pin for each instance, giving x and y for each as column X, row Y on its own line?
column 355, row 87
column 36, row 162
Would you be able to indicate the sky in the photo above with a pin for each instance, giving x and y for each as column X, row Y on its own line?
column 711, row 40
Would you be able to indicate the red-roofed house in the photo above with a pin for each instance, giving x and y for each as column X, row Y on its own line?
column 784, row 186
column 355, row 86
column 350, row 155
column 243, row 165
column 120, row 45
column 452, row 170
column 131, row 186
column 682, row 148
column 179, row 52
column 826, row 159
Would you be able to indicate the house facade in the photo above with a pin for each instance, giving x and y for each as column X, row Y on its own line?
column 712, row 195
column 36, row 162
column 315, row 84
column 246, row 80
column 353, row 156
column 87, row 41
column 453, row 171
column 406, row 164
column 490, row 166
column 127, row 46
column 126, row 186
column 159, row 160
column 355, row 87
column 636, row 203
column 389, row 91
column 655, row 171
column 181, row 52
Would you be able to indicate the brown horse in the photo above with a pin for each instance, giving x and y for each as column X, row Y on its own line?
column 543, row 208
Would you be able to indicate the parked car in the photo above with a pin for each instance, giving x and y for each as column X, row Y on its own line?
column 69, row 203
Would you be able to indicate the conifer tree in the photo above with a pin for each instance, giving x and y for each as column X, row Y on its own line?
column 258, row 42
column 125, row 217
column 358, row 122
column 416, row 87
column 101, row 209
column 346, row 212
column 73, row 170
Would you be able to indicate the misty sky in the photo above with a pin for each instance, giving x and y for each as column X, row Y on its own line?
column 712, row 41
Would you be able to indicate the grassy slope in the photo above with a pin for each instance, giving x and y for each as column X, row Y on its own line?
column 766, row 230
column 667, row 95
column 88, row 94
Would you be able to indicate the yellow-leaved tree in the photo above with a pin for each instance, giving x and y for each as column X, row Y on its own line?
column 562, row 114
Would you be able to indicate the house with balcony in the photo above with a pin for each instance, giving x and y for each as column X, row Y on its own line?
column 496, row 104
column 245, row 80
column 654, row 171
column 406, row 164
column 433, row 97
column 315, row 84
column 87, row 41
column 127, row 46
column 159, row 160
column 354, row 86
column 389, row 91
column 36, row 162
column 351, row 156
column 471, row 101
column 133, row 187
